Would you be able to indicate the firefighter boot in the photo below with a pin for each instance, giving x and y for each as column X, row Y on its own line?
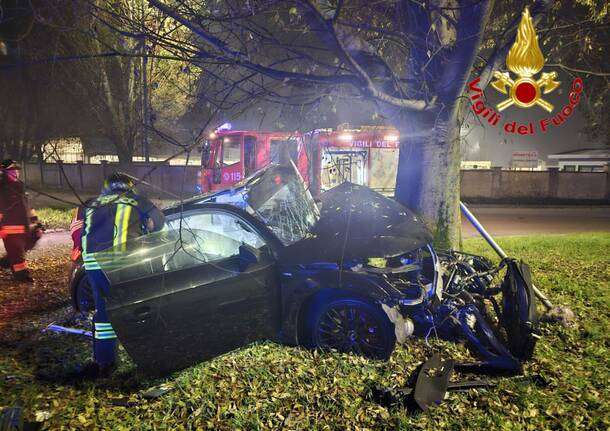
column 23, row 276
column 5, row 263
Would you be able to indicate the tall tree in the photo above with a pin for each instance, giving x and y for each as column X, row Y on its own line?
column 411, row 58
column 110, row 70
column 110, row 85
column 32, row 107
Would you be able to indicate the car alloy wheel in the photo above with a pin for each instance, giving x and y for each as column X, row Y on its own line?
column 349, row 325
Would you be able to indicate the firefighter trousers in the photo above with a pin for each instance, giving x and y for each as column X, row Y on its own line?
column 16, row 245
column 104, row 338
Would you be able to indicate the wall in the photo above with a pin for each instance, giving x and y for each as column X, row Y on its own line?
column 165, row 180
column 493, row 185
column 534, row 186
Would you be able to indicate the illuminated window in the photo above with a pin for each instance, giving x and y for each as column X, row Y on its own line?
column 231, row 151
column 68, row 150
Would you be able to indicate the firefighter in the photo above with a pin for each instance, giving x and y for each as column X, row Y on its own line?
column 19, row 226
column 117, row 215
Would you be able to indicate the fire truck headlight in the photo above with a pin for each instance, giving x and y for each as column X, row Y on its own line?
column 212, row 135
column 345, row 137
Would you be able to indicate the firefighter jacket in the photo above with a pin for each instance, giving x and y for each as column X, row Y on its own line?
column 14, row 208
column 110, row 221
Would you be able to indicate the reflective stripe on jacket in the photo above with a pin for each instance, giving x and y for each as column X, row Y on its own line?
column 12, row 229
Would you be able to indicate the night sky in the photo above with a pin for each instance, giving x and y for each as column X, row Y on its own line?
column 482, row 141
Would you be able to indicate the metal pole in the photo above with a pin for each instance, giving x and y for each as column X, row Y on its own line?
column 479, row 227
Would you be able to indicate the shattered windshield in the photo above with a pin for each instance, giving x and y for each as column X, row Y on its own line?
column 279, row 199
column 277, row 196
column 290, row 212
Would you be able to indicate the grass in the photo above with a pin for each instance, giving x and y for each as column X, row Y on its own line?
column 268, row 386
column 54, row 218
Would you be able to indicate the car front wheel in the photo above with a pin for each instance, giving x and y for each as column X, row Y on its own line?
column 352, row 325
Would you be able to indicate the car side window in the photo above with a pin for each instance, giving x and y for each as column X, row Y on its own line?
column 216, row 234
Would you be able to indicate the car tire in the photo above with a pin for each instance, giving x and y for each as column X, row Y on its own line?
column 82, row 295
column 351, row 325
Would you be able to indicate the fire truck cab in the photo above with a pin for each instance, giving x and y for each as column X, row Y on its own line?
column 227, row 157
column 325, row 158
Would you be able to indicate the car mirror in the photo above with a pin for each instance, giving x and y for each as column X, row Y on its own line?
column 248, row 255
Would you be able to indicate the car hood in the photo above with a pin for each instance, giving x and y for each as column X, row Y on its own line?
column 356, row 222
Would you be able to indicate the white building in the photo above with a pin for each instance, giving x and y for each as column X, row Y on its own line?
column 585, row 160
column 526, row 161
column 476, row 164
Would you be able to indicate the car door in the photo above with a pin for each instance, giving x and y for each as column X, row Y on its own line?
column 210, row 289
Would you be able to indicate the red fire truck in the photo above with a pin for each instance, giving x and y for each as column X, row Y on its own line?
column 325, row 158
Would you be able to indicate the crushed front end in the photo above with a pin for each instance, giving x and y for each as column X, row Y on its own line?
column 462, row 297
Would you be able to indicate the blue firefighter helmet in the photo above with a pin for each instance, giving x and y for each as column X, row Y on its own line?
column 118, row 182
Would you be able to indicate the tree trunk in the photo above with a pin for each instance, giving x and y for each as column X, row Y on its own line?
column 120, row 140
column 125, row 158
column 124, row 151
column 428, row 179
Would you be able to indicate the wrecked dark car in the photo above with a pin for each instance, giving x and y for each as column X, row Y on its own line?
column 354, row 271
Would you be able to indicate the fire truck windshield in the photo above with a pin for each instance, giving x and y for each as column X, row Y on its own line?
column 230, row 151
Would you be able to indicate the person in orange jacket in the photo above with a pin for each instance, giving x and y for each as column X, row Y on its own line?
column 19, row 226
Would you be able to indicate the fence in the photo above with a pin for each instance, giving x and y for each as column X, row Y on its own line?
column 165, row 179
column 493, row 185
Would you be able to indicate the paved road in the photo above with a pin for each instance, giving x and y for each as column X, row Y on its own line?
column 498, row 220
column 502, row 220
column 53, row 239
